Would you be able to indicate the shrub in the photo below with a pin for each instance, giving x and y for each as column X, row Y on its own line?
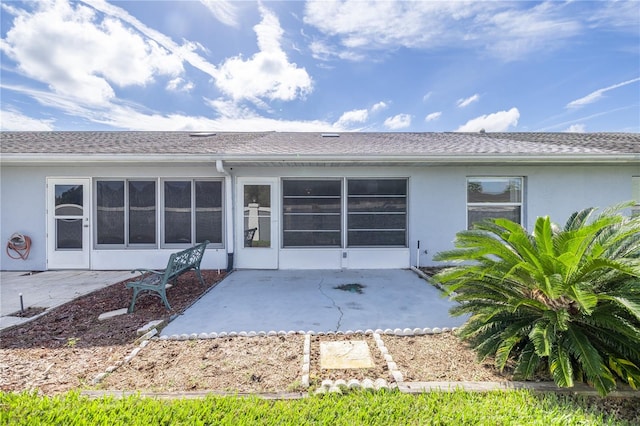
column 563, row 300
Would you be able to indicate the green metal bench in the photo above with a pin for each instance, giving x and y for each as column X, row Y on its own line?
column 156, row 281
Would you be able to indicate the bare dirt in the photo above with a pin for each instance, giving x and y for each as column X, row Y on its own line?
column 66, row 348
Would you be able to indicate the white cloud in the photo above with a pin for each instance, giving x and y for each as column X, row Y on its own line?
column 508, row 30
column 178, row 84
column 231, row 116
column 467, row 101
column 57, row 44
column 353, row 117
column 11, row 120
column 426, row 97
column 618, row 14
column 576, row 128
column 379, row 106
column 268, row 73
column 499, row 121
column 596, row 95
column 323, row 51
column 224, row 11
column 400, row 121
column 186, row 51
column 433, row 116
column 514, row 32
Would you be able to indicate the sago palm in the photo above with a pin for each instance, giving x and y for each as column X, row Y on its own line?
column 564, row 300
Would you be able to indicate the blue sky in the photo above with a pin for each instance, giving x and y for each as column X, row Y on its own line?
column 321, row 66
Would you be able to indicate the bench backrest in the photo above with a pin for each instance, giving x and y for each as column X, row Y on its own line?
column 185, row 259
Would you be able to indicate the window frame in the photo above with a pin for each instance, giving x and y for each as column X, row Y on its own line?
column 126, row 210
column 348, row 213
column 520, row 204
column 344, row 211
column 193, row 213
column 159, row 213
column 340, row 212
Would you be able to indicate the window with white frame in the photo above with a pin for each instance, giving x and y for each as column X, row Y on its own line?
column 192, row 211
column 494, row 197
column 125, row 213
column 311, row 211
column 635, row 195
column 377, row 212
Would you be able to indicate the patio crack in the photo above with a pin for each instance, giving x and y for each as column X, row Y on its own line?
column 333, row 302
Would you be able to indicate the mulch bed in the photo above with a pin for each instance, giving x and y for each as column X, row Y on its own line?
column 77, row 321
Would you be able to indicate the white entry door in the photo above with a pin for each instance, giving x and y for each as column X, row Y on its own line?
column 257, row 236
column 68, row 223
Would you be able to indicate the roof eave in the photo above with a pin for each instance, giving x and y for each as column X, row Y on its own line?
column 44, row 158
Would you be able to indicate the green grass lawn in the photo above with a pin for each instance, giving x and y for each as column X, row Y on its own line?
column 360, row 408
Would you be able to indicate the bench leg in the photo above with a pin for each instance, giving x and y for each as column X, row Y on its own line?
column 162, row 294
column 199, row 276
column 133, row 300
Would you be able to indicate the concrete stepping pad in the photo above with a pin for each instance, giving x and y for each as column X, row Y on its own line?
column 345, row 355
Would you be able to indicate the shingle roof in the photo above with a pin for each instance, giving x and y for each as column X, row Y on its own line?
column 270, row 145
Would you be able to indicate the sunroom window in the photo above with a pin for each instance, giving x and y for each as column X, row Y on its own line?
column 312, row 213
column 125, row 212
column 377, row 212
column 192, row 212
column 494, row 197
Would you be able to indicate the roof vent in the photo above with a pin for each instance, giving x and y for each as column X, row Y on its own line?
column 482, row 131
column 201, row 134
column 330, row 135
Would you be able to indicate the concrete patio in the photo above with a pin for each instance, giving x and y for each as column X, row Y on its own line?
column 312, row 300
column 259, row 300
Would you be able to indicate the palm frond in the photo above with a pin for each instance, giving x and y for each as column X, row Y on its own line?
column 560, row 367
column 527, row 363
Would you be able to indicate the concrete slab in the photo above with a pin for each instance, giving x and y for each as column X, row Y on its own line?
column 311, row 300
column 345, row 355
column 48, row 289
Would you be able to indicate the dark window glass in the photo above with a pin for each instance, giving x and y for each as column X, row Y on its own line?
column 494, row 190
column 377, row 187
column 110, row 212
column 377, row 221
column 479, row 213
column 142, row 212
column 68, row 234
column 377, row 212
column 312, row 239
column 312, row 188
column 378, row 238
column 494, row 197
column 177, row 212
column 69, row 200
column 208, row 211
column 312, row 213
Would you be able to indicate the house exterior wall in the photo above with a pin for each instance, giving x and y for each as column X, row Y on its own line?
column 24, row 204
column 436, row 208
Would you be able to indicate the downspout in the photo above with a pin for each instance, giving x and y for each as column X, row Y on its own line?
column 229, row 213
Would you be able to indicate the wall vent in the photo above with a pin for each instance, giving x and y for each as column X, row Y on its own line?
column 330, row 135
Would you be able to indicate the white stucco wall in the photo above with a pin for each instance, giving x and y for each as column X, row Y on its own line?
column 437, row 207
